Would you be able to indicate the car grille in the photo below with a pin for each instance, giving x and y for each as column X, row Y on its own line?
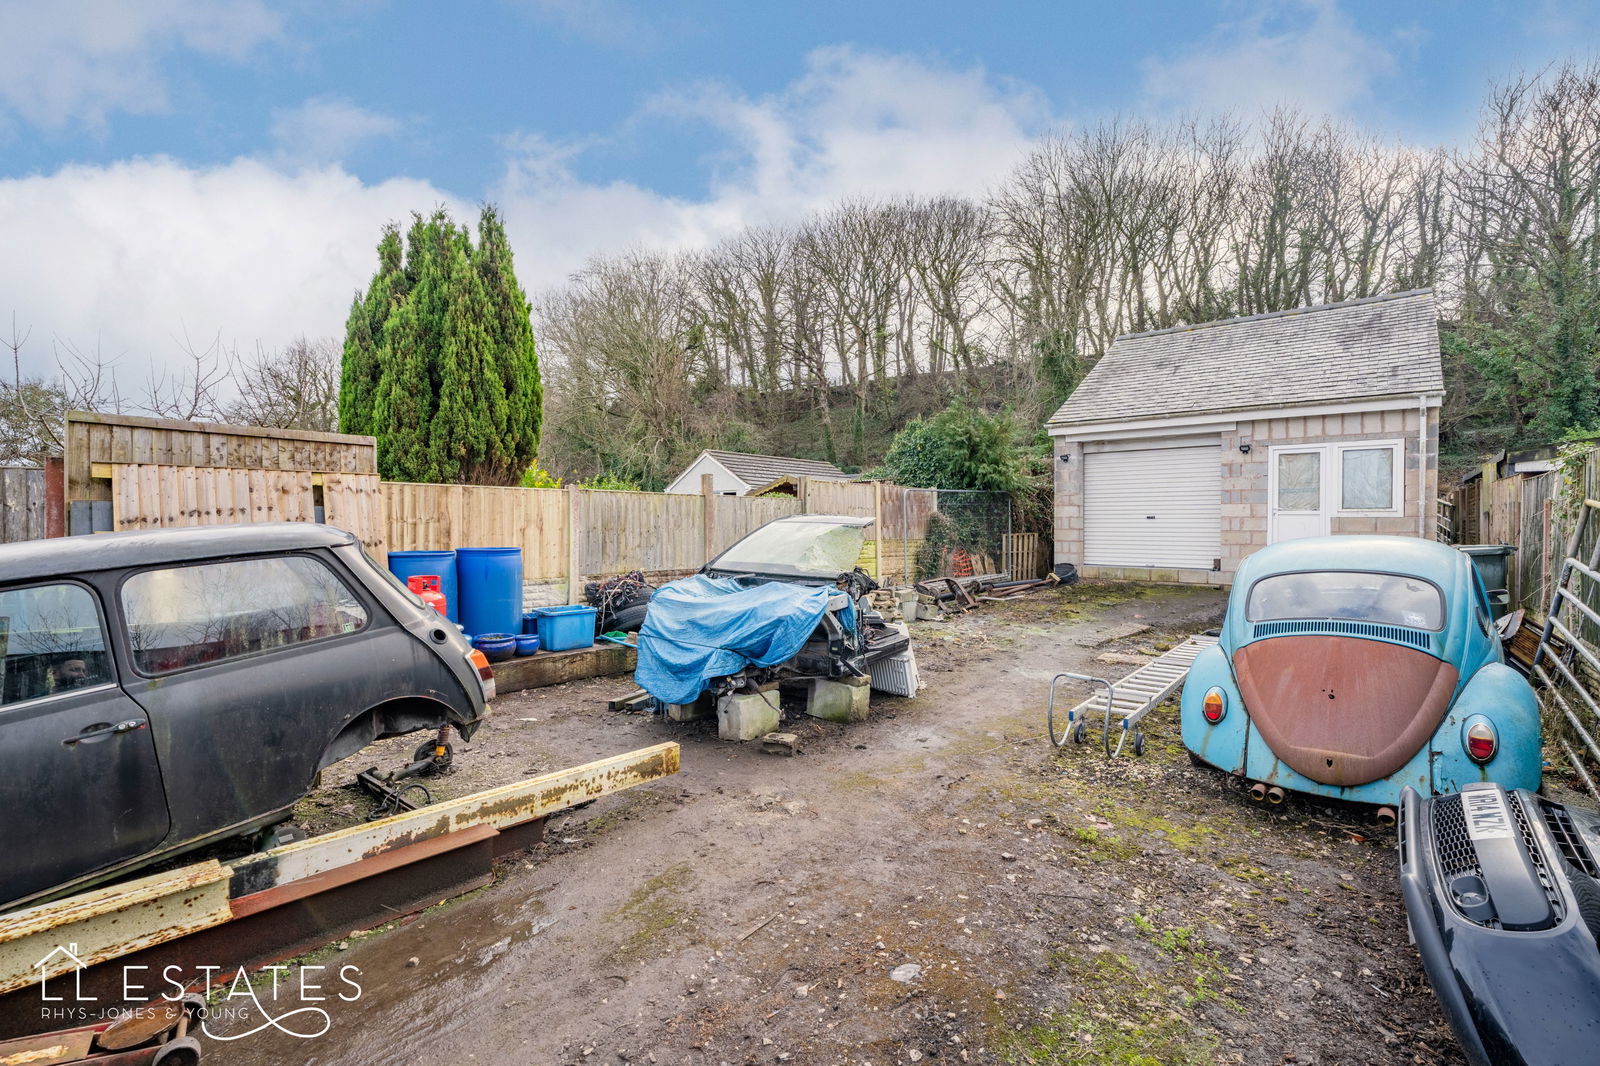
column 1457, row 855
column 1416, row 638
column 1559, row 822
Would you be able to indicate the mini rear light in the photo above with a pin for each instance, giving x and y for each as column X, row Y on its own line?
column 1214, row 706
column 480, row 662
column 1480, row 740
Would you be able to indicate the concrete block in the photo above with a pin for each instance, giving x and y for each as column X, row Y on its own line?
column 781, row 744
column 845, row 700
column 747, row 715
column 688, row 712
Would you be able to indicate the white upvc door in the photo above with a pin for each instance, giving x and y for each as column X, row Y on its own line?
column 1299, row 493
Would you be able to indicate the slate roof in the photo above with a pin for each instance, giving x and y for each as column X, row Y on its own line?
column 756, row 470
column 1359, row 349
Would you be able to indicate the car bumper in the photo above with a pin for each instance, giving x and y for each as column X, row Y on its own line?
column 1512, row 997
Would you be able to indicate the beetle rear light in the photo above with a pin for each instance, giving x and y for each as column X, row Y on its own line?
column 1481, row 741
column 1214, row 706
column 480, row 663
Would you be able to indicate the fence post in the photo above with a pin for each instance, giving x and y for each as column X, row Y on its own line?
column 710, row 499
column 55, row 497
column 574, row 578
column 877, row 530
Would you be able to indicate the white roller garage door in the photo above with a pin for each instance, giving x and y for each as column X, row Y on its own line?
column 1153, row 507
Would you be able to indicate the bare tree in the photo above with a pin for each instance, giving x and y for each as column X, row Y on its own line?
column 296, row 387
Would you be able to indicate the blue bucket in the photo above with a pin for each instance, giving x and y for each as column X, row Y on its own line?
column 443, row 564
column 490, row 580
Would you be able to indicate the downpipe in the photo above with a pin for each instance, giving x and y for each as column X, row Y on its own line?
column 1386, row 816
column 1275, row 796
column 1257, row 792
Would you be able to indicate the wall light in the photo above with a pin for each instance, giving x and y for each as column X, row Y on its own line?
column 1244, row 447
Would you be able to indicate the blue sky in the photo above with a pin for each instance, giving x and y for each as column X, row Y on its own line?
column 218, row 169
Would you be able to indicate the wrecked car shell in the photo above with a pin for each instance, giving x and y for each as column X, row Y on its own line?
column 165, row 689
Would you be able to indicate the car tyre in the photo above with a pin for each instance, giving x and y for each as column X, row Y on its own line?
column 184, row 1051
column 629, row 619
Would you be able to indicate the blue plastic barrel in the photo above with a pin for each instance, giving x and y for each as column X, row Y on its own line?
column 490, row 580
column 409, row 564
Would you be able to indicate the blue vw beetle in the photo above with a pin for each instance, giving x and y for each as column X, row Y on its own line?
column 1354, row 666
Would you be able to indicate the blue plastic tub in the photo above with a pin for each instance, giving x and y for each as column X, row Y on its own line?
column 410, row 564
column 565, row 628
column 527, row 643
column 490, row 580
column 530, row 622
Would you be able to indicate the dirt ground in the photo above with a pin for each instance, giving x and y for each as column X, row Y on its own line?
column 936, row 884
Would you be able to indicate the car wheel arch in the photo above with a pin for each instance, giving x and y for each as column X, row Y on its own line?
column 394, row 717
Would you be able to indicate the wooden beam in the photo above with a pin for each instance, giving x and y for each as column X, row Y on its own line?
column 143, row 422
column 559, row 667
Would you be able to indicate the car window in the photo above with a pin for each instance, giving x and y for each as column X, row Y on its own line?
column 185, row 615
column 1392, row 599
column 821, row 549
column 51, row 640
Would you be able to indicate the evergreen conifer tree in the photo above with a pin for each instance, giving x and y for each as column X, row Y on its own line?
column 439, row 360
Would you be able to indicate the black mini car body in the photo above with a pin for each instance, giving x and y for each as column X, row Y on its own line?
column 1501, row 891
column 166, row 689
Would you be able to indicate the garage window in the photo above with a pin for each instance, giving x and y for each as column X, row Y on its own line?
column 186, row 615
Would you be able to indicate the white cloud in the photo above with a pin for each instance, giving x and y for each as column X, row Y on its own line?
column 854, row 124
column 141, row 253
column 69, row 60
column 1305, row 53
column 134, row 257
column 326, row 129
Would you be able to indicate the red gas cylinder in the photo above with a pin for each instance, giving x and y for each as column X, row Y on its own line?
column 426, row 586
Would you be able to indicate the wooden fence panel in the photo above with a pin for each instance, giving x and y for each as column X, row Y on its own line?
column 21, row 504
column 735, row 516
column 352, row 502
column 649, row 531
column 840, row 497
column 156, row 496
column 441, row 517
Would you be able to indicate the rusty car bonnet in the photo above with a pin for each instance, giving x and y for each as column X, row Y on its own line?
column 1342, row 710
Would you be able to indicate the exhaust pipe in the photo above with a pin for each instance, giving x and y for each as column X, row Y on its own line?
column 1258, row 792
column 1386, row 816
column 1275, row 795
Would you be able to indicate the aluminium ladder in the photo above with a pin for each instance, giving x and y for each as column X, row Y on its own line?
column 1133, row 697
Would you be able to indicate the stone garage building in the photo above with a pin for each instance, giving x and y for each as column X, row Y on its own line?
column 1186, row 449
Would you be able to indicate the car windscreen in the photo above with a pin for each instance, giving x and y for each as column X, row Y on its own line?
column 1390, row 599
column 811, row 549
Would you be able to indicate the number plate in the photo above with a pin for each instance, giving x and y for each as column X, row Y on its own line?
column 1487, row 816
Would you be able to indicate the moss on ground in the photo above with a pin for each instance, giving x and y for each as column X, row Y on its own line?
column 1120, row 1014
column 655, row 913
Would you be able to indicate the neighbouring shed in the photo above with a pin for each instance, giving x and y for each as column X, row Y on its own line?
column 1186, row 449
column 739, row 474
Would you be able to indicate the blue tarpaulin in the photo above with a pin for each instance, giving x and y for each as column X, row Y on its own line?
column 705, row 627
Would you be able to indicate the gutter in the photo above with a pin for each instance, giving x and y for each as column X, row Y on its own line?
column 1422, row 465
